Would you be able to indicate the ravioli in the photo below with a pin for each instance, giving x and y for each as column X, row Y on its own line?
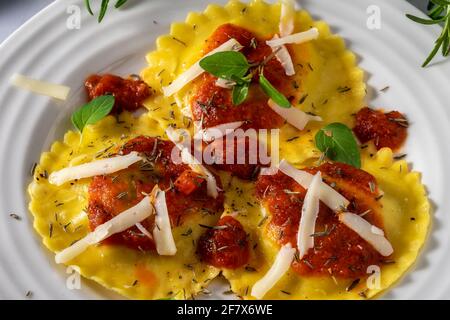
column 405, row 213
column 327, row 83
column 132, row 273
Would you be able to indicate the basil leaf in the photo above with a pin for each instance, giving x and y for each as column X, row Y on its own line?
column 226, row 65
column 93, row 111
column 240, row 93
column 338, row 143
column 273, row 93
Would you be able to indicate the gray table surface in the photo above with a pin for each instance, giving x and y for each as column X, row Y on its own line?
column 13, row 13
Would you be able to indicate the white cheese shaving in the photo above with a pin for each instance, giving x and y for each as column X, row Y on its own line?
column 142, row 229
column 213, row 133
column 268, row 171
column 224, row 83
column 95, row 168
column 40, row 87
column 194, row 164
column 310, row 211
column 195, row 70
column 376, row 230
column 119, row 223
column 293, row 116
column 281, row 265
column 333, row 199
column 296, row 38
column 162, row 232
column 284, row 57
column 366, row 231
column 287, row 17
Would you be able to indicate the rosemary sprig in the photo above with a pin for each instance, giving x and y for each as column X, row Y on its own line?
column 439, row 12
column 103, row 7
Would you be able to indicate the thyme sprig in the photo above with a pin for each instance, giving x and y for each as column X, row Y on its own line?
column 439, row 12
column 103, row 7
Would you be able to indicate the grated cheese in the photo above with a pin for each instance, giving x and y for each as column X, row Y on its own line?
column 40, row 87
column 287, row 17
column 194, row 164
column 281, row 265
column 119, row 223
column 195, row 70
column 293, row 116
column 213, row 133
column 162, row 232
column 296, row 38
column 368, row 232
column 95, row 168
column 310, row 211
column 333, row 199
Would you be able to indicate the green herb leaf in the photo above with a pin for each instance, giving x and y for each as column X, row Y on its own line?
column 273, row 93
column 440, row 2
column 103, row 9
column 338, row 143
column 120, row 3
column 439, row 12
column 87, row 3
column 424, row 21
column 226, row 65
column 92, row 112
column 240, row 93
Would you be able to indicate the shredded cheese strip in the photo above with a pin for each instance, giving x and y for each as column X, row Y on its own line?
column 284, row 57
column 119, row 223
column 224, row 83
column 213, row 133
column 40, row 87
column 95, row 168
column 269, row 171
column 194, row 164
column 293, row 116
column 368, row 232
column 296, row 38
column 195, row 70
column 162, row 232
column 144, row 231
column 287, row 17
column 310, row 212
column 333, row 199
column 281, row 265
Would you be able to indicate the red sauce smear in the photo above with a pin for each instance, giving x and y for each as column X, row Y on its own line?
column 225, row 245
column 129, row 93
column 213, row 105
column 385, row 129
column 241, row 164
column 338, row 250
column 112, row 194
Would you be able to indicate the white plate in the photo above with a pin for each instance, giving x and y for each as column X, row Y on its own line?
column 45, row 48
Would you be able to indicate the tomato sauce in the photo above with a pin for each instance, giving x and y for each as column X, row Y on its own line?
column 212, row 105
column 224, row 245
column 112, row 194
column 129, row 93
column 338, row 250
column 234, row 156
column 385, row 129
